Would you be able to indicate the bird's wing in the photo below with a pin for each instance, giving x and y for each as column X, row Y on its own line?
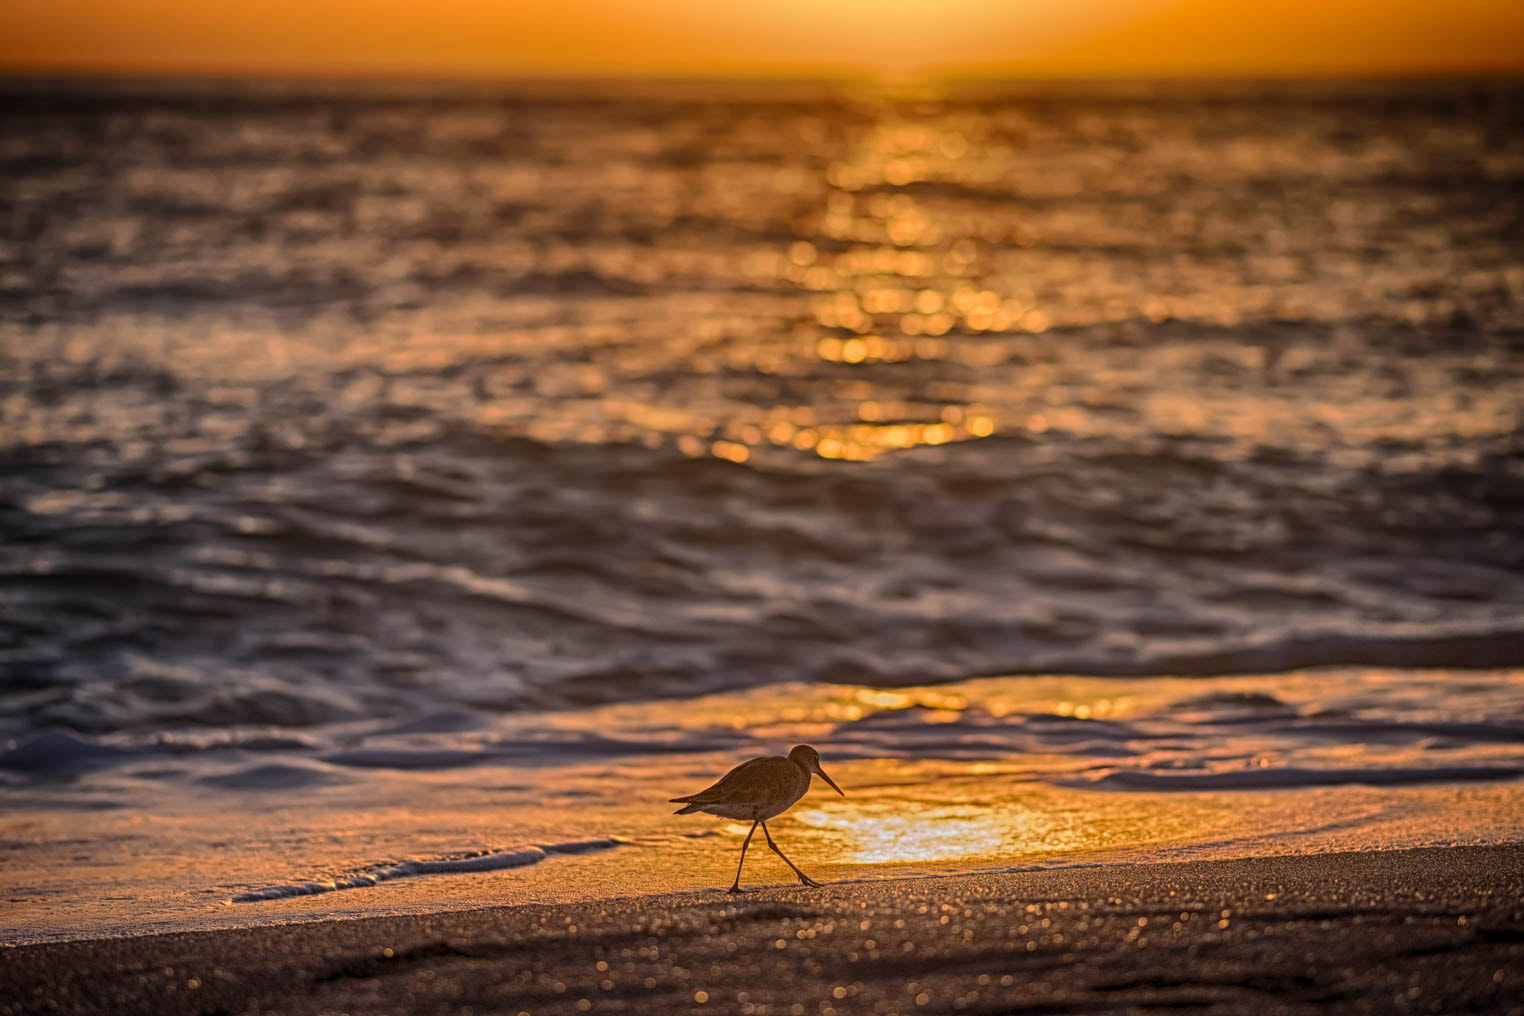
column 740, row 781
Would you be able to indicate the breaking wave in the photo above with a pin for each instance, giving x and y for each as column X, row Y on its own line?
column 486, row 860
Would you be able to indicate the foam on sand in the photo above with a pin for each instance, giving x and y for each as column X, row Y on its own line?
column 487, row 860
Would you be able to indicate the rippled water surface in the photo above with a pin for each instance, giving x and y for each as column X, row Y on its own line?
column 332, row 417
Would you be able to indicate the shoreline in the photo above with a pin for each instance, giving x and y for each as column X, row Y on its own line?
column 978, row 776
column 1436, row 929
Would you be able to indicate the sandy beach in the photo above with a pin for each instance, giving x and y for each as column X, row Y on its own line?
column 1432, row 931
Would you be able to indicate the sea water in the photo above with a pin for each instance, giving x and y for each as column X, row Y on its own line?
column 394, row 477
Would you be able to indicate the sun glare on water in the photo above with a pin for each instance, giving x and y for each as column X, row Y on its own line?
column 883, row 833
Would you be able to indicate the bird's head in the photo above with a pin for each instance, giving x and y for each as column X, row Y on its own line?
column 808, row 759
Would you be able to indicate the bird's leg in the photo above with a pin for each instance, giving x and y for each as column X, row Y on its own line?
column 803, row 878
column 736, row 886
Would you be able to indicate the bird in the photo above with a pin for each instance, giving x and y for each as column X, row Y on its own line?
column 760, row 789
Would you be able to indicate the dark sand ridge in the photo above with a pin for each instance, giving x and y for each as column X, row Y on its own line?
column 1436, row 930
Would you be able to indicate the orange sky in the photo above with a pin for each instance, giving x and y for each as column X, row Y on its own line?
column 766, row 37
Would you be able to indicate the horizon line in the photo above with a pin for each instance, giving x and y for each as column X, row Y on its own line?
column 803, row 76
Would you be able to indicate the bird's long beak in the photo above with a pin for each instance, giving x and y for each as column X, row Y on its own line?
column 832, row 782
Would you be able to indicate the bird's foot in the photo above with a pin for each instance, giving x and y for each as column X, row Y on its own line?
column 805, row 880
column 737, row 889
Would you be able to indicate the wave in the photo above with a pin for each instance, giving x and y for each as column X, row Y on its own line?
column 972, row 733
column 1276, row 777
column 272, row 777
column 461, row 864
column 61, row 752
column 1422, row 727
column 566, row 577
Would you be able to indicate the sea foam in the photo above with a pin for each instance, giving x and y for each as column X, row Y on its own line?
column 489, row 860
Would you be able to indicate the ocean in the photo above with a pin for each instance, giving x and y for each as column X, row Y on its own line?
column 409, row 474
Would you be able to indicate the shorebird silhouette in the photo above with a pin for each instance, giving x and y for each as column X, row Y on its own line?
column 759, row 790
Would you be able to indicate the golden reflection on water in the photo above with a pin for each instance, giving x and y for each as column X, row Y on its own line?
column 1003, row 771
column 966, row 269
column 886, row 833
column 961, row 816
column 893, row 283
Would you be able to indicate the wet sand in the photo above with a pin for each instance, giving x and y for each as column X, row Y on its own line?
column 1434, row 930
